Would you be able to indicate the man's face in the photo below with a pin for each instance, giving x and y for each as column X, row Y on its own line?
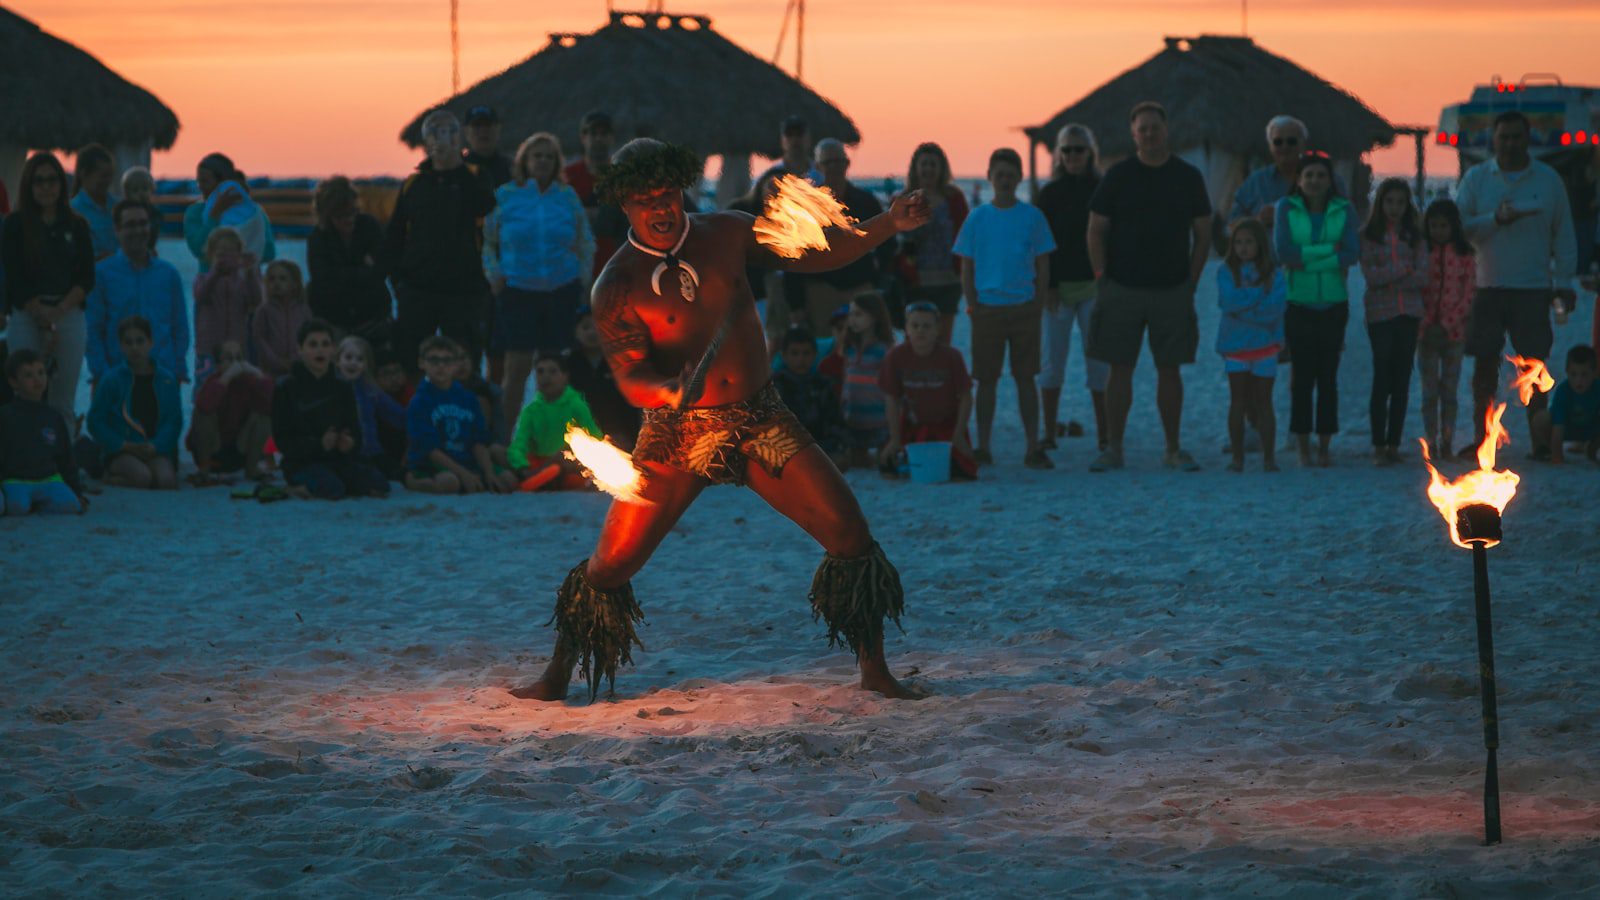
column 135, row 347
column 316, row 351
column 799, row 356
column 133, row 232
column 597, row 140
column 484, row 137
column 1004, row 178
column 549, row 379
column 835, row 166
column 1286, row 142
column 442, row 140
column 922, row 331
column 1150, row 133
column 796, row 143
column 30, row 381
column 439, row 365
column 1580, row 376
column 1511, row 142
column 656, row 217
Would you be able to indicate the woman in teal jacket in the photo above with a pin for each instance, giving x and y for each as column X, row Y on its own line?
column 137, row 416
column 1315, row 239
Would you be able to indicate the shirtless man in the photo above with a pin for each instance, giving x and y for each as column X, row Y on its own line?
column 672, row 296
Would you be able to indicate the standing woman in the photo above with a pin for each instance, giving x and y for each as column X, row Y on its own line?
column 933, row 274
column 199, row 221
column 1314, row 236
column 348, row 288
column 93, row 170
column 1065, row 204
column 1394, row 261
column 48, row 257
column 538, row 254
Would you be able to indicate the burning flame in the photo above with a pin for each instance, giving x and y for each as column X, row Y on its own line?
column 1482, row 485
column 796, row 215
column 610, row 469
column 1531, row 375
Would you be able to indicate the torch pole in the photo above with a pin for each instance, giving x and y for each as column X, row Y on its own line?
column 1491, row 720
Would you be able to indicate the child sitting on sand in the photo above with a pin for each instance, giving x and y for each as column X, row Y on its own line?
column 37, row 469
column 225, row 296
column 810, row 395
column 232, row 418
column 536, row 451
column 136, row 416
column 867, row 342
column 391, row 376
column 1253, row 296
column 316, row 425
column 383, row 421
column 1574, row 412
column 449, row 433
column 277, row 322
column 927, row 394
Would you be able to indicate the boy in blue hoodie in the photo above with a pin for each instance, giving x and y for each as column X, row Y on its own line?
column 136, row 417
column 449, row 452
column 37, row 470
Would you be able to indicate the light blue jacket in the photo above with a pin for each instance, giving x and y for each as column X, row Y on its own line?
column 111, row 420
column 197, row 227
column 155, row 292
column 1252, row 313
column 101, row 230
column 538, row 240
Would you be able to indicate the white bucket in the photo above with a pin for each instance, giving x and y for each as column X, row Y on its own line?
column 929, row 461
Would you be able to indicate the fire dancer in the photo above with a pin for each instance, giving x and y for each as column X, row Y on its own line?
column 666, row 304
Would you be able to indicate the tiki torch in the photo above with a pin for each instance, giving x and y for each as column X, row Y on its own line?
column 1472, row 506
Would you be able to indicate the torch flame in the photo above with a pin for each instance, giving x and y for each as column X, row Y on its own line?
column 1531, row 375
column 609, row 468
column 1483, row 485
column 796, row 215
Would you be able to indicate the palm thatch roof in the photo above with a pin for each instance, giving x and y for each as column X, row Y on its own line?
column 60, row 97
column 671, row 77
column 1222, row 91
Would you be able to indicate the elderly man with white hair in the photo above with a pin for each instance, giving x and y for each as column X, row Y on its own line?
column 1287, row 138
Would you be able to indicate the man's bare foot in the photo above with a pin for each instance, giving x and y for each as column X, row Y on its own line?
column 875, row 676
column 552, row 685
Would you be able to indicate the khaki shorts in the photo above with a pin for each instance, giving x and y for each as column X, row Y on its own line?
column 1122, row 314
column 996, row 327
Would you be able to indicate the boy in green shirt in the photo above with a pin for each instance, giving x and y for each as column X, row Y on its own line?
column 537, row 446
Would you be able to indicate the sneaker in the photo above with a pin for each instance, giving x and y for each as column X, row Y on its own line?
column 1180, row 459
column 1106, row 461
column 1038, row 460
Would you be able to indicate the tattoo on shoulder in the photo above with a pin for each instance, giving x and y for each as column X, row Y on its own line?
column 622, row 334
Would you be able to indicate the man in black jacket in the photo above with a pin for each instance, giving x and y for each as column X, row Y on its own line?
column 432, row 245
column 317, row 427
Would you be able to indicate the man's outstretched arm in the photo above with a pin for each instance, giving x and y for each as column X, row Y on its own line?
column 845, row 246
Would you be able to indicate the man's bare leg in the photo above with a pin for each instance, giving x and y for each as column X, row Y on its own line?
column 631, row 533
column 813, row 495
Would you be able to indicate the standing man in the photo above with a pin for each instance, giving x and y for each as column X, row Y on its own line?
column 492, row 168
column 795, row 136
column 431, row 246
column 827, row 291
column 133, row 282
column 1516, row 214
column 606, row 220
column 1149, row 236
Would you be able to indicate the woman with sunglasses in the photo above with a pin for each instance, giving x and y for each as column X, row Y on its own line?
column 48, row 256
column 1065, row 204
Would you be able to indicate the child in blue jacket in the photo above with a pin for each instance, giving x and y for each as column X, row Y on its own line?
column 449, row 452
column 1253, row 295
column 137, row 417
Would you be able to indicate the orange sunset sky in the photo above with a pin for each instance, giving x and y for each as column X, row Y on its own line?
column 314, row 87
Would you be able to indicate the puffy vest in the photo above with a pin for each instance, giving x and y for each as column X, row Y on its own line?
column 1322, row 281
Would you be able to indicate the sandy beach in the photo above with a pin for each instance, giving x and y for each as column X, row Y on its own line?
column 1142, row 683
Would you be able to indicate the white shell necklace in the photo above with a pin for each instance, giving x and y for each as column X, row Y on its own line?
column 688, row 278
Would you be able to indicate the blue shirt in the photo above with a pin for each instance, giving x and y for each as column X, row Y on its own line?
column 1004, row 245
column 101, row 229
column 539, row 240
column 1578, row 414
column 449, row 420
column 154, row 291
column 1265, row 187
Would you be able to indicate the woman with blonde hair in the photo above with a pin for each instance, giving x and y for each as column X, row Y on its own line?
column 538, row 254
column 927, row 269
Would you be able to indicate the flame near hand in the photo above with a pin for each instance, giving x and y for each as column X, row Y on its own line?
column 609, row 467
column 795, row 216
column 1531, row 376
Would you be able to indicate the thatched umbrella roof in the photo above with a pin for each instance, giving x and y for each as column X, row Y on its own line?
column 671, row 77
column 1222, row 91
column 60, row 97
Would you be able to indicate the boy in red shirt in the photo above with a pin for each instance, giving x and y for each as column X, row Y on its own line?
column 927, row 393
